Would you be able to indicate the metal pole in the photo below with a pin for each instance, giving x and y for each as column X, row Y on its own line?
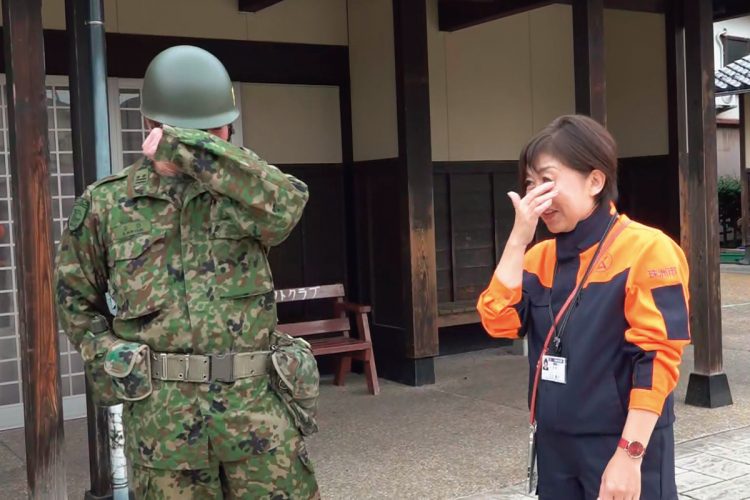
column 40, row 361
column 88, row 89
column 91, row 153
column 119, row 463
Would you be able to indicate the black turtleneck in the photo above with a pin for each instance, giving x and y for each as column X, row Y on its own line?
column 569, row 246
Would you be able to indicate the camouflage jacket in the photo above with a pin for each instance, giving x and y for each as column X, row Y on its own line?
column 185, row 261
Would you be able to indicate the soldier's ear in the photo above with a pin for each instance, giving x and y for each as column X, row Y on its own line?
column 150, row 124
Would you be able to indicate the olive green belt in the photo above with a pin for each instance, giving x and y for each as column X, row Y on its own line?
column 204, row 368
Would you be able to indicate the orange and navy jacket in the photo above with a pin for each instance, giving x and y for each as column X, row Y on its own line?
column 624, row 338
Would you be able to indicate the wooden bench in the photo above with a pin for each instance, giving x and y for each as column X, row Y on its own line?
column 332, row 335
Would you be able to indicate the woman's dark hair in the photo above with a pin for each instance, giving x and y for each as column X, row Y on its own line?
column 578, row 142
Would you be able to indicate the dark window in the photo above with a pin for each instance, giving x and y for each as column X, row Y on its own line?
column 735, row 48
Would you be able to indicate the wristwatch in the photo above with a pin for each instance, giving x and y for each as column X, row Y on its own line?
column 634, row 449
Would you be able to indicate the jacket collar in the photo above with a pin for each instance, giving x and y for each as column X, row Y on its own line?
column 587, row 232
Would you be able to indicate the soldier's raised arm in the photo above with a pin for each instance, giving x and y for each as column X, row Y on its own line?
column 269, row 202
column 80, row 288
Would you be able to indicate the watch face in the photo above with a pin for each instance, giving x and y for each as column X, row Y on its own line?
column 635, row 449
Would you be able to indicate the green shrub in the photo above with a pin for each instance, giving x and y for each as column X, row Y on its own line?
column 730, row 210
column 730, row 192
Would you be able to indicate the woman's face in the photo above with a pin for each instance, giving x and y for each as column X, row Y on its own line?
column 577, row 192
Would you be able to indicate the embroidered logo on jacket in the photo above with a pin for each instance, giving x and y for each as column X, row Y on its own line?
column 664, row 272
column 604, row 264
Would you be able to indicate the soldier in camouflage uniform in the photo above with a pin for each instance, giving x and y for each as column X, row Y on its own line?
column 184, row 258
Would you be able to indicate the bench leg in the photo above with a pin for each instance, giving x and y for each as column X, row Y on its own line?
column 371, row 374
column 342, row 369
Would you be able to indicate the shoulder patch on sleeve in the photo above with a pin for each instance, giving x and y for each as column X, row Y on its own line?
column 78, row 214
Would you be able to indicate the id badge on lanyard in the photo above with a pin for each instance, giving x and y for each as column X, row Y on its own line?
column 554, row 369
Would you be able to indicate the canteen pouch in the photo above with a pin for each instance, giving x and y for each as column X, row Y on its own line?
column 129, row 366
column 296, row 380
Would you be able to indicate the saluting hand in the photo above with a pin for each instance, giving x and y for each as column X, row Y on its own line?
column 622, row 478
column 528, row 210
column 164, row 168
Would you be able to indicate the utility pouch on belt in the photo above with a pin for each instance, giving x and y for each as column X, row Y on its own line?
column 129, row 366
column 94, row 346
column 295, row 378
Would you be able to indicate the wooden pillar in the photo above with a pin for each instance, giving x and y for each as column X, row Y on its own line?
column 354, row 283
column 91, row 160
column 416, row 185
column 744, row 178
column 588, row 57
column 677, row 124
column 27, row 128
column 708, row 385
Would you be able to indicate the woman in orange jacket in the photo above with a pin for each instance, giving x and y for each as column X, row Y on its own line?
column 604, row 305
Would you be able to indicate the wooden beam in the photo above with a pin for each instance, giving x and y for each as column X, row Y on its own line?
column 246, row 61
column 708, row 385
column 588, row 54
column 455, row 15
column 27, row 129
column 256, row 5
column 450, row 185
column 91, row 160
column 458, row 14
column 676, row 125
column 456, row 319
column 416, row 178
column 129, row 55
column 728, row 9
column 652, row 6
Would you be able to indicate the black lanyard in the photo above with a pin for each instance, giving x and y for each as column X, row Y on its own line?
column 555, row 347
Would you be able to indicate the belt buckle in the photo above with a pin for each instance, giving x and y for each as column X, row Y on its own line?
column 162, row 358
column 222, row 367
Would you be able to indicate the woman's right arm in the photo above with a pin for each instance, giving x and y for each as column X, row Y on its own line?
column 501, row 306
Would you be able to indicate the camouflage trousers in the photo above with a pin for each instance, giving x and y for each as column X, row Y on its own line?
column 284, row 473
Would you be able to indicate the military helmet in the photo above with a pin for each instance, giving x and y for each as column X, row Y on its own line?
column 188, row 87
